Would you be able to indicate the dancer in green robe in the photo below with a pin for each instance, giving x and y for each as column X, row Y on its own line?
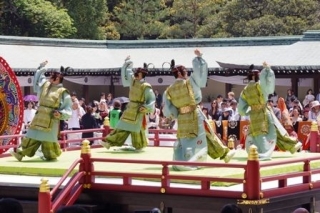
column 265, row 130
column 54, row 105
column 133, row 120
column 195, row 137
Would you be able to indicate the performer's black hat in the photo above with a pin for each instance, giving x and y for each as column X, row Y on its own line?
column 252, row 70
column 176, row 68
column 143, row 69
column 64, row 71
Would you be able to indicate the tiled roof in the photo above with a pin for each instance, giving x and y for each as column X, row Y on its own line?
column 293, row 53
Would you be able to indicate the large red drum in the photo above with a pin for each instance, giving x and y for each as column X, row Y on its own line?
column 11, row 105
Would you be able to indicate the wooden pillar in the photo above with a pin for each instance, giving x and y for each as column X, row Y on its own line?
column 316, row 84
column 228, row 88
column 26, row 90
column 294, row 85
column 85, row 93
column 113, row 79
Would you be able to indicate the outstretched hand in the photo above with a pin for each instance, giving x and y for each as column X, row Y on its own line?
column 265, row 64
column 197, row 52
column 44, row 63
column 56, row 114
column 127, row 58
column 143, row 109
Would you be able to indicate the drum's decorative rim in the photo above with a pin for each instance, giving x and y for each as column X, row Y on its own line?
column 15, row 126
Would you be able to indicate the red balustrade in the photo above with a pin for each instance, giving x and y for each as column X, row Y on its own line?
column 251, row 180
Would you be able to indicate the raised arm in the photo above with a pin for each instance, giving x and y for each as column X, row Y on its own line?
column 267, row 81
column 200, row 70
column 127, row 73
column 39, row 77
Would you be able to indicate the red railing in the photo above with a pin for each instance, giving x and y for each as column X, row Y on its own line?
column 86, row 176
column 161, row 137
column 251, row 180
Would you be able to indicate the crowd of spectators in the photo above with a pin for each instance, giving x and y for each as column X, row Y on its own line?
column 219, row 109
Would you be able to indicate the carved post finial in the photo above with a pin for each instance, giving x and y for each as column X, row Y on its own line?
column 253, row 153
column 106, row 121
column 85, row 148
column 314, row 126
column 231, row 143
column 44, row 186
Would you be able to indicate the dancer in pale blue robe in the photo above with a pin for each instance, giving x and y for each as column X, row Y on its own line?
column 195, row 138
column 54, row 105
column 265, row 130
column 133, row 120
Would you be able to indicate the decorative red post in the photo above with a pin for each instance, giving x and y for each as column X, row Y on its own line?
column 252, row 184
column 164, row 178
column 307, row 168
column 313, row 141
column 86, row 165
column 156, row 140
column 44, row 197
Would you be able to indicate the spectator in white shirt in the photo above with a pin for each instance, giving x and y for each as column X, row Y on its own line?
column 235, row 116
column 28, row 115
column 77, row 113
column 153, row 120
column 308, row 98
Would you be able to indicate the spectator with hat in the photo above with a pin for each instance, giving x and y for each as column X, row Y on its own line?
column 314, row 111
column 133, row 120
column 226, row 114
column 54, row 106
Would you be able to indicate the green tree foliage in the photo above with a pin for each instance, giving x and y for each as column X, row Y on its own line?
column 264, row 18
column 187, row 17
column 140, row 19
column 89, row 17
column 154, row 19
column 35, row 18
